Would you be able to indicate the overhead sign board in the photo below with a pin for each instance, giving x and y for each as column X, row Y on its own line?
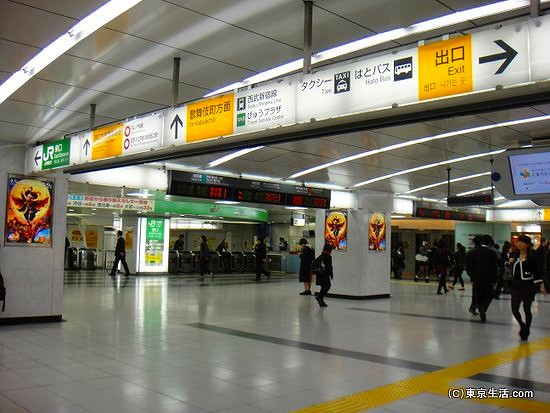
column 56, row 154
column 265, row 106
column 507, row 54
column 142, row 134
column 175, row 126
column 198, row 185
column 33, row 161
column 107, row 142
column 470, row 200
column 376, row 82
column 210, row 118
column 445, row 68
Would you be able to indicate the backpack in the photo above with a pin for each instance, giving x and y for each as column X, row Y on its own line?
column 2, row 292
column 318, row 266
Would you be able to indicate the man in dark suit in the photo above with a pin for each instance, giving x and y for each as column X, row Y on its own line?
column 120, row 255
column 483, row 265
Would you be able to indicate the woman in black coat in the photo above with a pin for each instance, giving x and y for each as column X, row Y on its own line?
column 323, row 277
column 306, row 257
column 459, row 258
column 527, row 280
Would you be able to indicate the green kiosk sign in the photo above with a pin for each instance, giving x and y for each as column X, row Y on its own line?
column 56, row 154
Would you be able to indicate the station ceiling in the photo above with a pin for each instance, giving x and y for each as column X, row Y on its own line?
column 125, row 68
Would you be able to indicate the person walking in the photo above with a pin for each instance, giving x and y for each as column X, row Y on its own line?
column 398, row 261
column 204, row 256
column 260, row 250
column 442, row 262
column 504, row 258
column 422, row 259
column 179, row 245
column 483, row 270
column 459, row 258
column 325, row 274
column 306, row 257
column 527, row 279
column 120, row 255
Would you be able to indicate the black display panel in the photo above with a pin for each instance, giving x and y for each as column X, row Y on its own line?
column 232, row 189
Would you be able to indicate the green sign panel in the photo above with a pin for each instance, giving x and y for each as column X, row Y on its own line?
column 56, row 154
column 154, row 241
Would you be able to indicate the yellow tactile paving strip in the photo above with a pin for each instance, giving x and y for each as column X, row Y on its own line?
column 439, row 382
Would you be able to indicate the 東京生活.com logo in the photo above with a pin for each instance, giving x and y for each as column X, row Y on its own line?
column 525, row 173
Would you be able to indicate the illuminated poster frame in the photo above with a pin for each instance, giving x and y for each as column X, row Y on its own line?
column 29, row 212
column 377, row 231
column 336, row 229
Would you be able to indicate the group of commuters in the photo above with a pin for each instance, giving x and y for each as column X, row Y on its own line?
column 522, row 273
column 440, row 260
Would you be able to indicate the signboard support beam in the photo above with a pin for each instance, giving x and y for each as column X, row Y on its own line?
column 535, row 8
column 308, row 28
column 448, row 183
column 175, row 80
column 92, row 115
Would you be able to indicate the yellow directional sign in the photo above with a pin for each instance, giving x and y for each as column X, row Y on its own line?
column 445, row 68
column 107, row 142
column 210, row 118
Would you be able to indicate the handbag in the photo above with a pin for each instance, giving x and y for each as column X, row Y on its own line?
column 508, row 274
column 421, row 258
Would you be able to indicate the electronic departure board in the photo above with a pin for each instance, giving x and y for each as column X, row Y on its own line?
column 198, row 185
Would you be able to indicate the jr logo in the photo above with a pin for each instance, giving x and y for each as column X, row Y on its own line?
column 51, row 151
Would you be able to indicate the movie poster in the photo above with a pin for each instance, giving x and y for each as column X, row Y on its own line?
column 377, row 232
column 29, row 211
column 336, row 229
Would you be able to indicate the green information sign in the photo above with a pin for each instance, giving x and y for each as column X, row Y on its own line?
column 56, row 154
column 154, row 241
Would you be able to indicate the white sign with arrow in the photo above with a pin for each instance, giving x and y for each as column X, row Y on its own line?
column 174, row 131
column 34, row 159
column 81, row 147
column 500, row 56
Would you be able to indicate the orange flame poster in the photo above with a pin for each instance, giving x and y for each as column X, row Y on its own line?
column 336, row 229
column 377, row 232
column 29, row 211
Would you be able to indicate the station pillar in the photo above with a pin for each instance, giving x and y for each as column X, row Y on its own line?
column 360, row 271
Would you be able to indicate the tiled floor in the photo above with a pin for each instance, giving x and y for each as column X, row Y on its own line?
column 172, row 344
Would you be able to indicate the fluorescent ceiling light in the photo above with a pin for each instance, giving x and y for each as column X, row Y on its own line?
column 475, row 191
column 297, row 208
column 262, row 76
column 431, row 165
column 227, row 202
column 382, row 38
column 74, row 35
column 419, row 141
column 144, row 194
column 397, row 216
column 325, row 186
column 233, row 155
column 463, row 178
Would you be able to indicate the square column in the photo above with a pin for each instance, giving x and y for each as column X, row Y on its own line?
column 360, row 273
